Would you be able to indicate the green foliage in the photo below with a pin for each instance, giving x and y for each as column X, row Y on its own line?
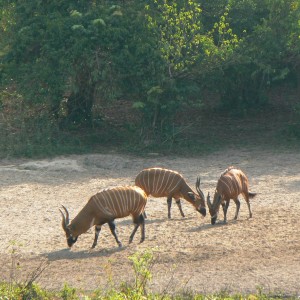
column 65, row 59
column 34, row 292
column 178, row 26
column 263, row 56
column 68, row 293
column 142, row 263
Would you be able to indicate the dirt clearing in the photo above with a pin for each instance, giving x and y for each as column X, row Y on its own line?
column 191, row 254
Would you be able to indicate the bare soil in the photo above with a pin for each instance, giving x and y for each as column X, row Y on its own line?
column 190, row 253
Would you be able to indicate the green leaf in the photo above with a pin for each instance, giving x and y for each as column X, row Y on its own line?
column 138, row 105
column 78, row 27
column 98, row 22
column 75, row 13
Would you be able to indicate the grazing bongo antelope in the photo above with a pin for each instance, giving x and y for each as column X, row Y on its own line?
column 160, row 182
column 105, row 207
column 232, row 183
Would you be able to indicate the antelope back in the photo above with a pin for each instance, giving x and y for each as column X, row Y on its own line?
column 159, row 182
column 118, row 202
column 232, row 183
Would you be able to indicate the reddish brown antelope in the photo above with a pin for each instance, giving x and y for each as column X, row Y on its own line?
column 231, row 184
column 160, row 182
column 105, row 207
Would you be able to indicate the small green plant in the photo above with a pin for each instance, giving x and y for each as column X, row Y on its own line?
column 68, row 293
column 16, row 288
column 142, row 264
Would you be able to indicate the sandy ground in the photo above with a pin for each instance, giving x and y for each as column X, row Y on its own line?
column 190, row 254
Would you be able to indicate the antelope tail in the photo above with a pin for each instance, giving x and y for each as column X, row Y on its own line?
column 252, row 195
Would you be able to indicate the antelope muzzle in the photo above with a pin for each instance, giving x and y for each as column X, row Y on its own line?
column 213, row 220
column 202, row 211
column 71, row 241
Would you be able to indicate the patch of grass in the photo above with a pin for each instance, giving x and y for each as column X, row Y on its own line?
column 34, row 292
column 142, row 263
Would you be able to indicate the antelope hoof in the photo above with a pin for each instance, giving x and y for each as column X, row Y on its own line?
column 120, row 245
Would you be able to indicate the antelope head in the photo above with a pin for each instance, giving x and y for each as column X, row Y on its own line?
column 65, row 225
column 213, row 207
column 199, row 199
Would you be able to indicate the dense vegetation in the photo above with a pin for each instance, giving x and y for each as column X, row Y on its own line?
column 68, row 67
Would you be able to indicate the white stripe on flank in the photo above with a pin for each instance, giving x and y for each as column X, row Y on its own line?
column 119, row 202
column 174, row 189
column 148, row 180
column 170, row 186
column 135, row 203
column 110, row 201
column 162, row 185
column 223, row 180
column 153, row 180
column 167, row 186
column 124, row 201
column 143, row 183
column 138, row 204
column 129, row 201
column 160, row 174
column 113, row 197
column 102, row 203
column 107, row 202
column 232, row 184
column 97, row 201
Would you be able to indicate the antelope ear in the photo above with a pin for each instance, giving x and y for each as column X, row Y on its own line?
column 191, row 195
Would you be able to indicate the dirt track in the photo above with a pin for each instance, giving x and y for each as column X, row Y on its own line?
column 191, row 254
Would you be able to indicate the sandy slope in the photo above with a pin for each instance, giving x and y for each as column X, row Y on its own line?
column 190, row 253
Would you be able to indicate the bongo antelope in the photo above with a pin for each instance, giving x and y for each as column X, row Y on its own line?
column 160, row 182
column 231, row 184
column 105, row 207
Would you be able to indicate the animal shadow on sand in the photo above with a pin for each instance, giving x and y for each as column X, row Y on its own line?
column 69, row 254
column 220, row 223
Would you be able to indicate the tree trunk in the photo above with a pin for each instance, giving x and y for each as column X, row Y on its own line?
column 80, row 102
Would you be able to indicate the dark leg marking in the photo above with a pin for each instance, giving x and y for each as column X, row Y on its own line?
column 142, row 223
column 112, row 227
column 97, row 232
column 178, row 202
column 140, row 220
column 225, row 206
column 238, row 204
column 169, row 201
